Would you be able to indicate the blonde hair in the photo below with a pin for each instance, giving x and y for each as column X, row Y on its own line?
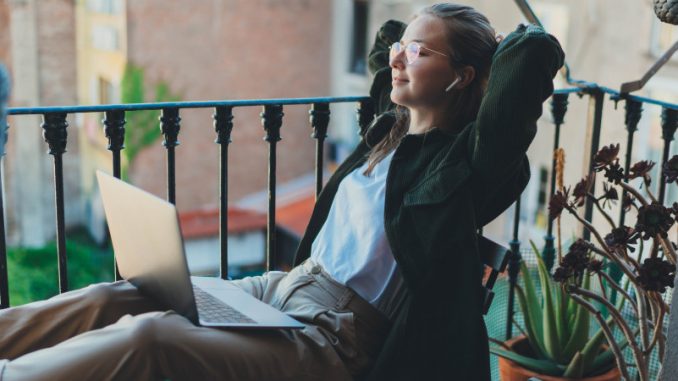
column 472, row 42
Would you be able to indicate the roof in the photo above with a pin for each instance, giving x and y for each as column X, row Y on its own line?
column 293, row 216
column 205, row 222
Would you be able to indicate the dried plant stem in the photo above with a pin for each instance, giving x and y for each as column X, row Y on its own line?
column 657, row 325
column 559, row 157
column 619, row 289
column 607, row 216
column 621, row 363
column 590, row 228
column 669, row 252
column 642, row 321
column 602, row 287
column 634, row 192
column 649, row 191
column 560, row 246
column 606, row 250
column 622, row 265
column 623, row 325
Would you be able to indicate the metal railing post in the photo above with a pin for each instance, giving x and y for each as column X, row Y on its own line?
column 559, row 104
column 513, row 270
column 633, row 112
column 223, row 125
column 271, row 119
column 54, row 132
column 669, row 124
column 114, row 129
column 169, row 126
column 320, row 120
column 594, row 124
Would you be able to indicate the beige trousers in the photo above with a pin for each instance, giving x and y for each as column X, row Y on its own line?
column 111, row 332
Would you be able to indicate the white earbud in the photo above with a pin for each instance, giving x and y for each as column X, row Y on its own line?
column 454, row 83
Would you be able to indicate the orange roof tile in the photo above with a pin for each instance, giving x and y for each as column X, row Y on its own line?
column 295, row 215
column 205, row 223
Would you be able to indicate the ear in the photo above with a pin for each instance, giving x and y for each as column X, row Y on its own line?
column 468, row 73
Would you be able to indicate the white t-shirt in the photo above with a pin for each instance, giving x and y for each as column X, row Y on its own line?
column 352, row 245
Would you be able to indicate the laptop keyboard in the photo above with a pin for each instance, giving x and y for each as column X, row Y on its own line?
column 213, row 310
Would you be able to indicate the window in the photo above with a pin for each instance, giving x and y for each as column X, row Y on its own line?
column 358, row 58
column 104, row 6
column 542, row 194
column 106, row 91
column 105, row 38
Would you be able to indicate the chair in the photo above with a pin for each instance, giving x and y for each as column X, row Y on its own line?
column 495, row 257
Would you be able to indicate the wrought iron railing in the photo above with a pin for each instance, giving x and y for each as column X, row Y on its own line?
column 55, row 126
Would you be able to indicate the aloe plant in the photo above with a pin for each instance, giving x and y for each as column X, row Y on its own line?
column 557, row 328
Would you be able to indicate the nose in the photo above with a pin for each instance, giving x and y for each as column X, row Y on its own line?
column 397, row 61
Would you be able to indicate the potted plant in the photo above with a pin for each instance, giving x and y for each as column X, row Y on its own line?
column 643, row 253
column 555, row 343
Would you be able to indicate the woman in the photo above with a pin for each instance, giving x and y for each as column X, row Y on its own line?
column 387, row 275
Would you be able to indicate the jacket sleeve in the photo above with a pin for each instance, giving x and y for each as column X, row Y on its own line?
column 521, row 79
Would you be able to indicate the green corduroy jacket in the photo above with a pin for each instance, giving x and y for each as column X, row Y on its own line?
column 440, row 188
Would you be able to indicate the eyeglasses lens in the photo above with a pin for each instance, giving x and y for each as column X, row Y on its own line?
column 411, row 51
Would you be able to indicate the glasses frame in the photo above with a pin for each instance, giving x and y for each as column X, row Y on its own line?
column 398, row 47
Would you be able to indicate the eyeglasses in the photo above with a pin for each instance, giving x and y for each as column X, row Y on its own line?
column 412, row 50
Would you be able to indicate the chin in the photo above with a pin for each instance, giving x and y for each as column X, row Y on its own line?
column 398, row 99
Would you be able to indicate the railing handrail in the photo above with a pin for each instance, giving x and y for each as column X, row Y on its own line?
column 182, row 105
column 615, row 95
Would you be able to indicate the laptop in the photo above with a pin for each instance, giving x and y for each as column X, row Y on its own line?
column 149, row 251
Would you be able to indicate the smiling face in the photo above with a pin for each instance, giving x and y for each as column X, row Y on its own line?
column 422, row 83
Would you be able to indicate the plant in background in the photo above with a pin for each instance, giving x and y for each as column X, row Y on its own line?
column 142, row 126
column 556, row 327
column 647, row 272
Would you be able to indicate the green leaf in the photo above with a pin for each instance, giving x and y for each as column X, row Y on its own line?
column 574, row 369
column 579, row 335
column 534, row 339
column 546, row 367
column 603, row 362
column 550, row 320
column 591, row 350
column 534, row 306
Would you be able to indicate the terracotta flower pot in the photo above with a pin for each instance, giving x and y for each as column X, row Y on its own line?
column 511, row 371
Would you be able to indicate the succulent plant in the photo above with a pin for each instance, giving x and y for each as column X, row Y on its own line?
column 558, row 328
column 667, row 11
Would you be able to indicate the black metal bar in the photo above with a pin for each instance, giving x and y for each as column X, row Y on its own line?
column 669, row 124
column 196, row 104
column 4, row 97
column 559, row 104
column 633, row 112
column 169, row 126
column 54, row 131
column 513, row 271
column 320, row 120
column 271, row 118
column 595, row 120
column 223, row 125
column 365, row 115
column 114, row 129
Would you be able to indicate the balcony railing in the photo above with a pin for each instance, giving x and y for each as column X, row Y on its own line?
column 55, row 128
